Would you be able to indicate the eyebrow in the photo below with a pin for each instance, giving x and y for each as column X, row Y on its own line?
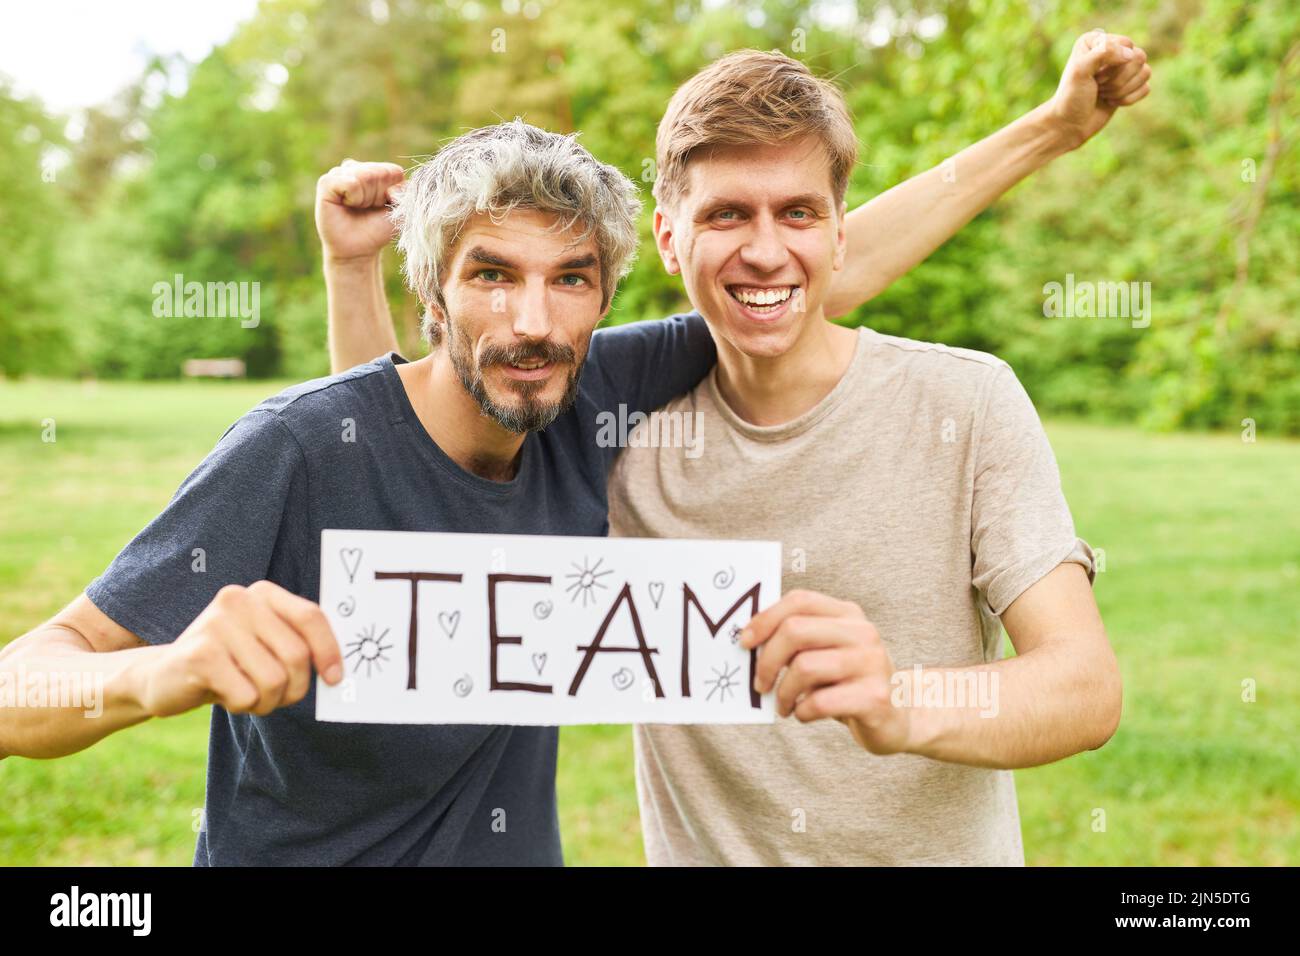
column 483, row 257
column 814, row 200
column 479, row 254
column 581, row 262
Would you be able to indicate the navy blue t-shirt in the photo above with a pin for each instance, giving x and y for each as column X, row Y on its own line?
column 287, row 789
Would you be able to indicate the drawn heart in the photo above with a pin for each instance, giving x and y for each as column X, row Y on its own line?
column 539, row 661
column 622, row 679
column 656, row 591
column 449, row 622
column 351, row 561
column 542, row 610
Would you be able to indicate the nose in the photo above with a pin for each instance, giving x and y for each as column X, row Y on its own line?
column 764, row 249
column 532, row 314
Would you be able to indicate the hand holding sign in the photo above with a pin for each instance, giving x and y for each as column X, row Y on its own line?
column 251, row 650
column 835, row 665
column 547, row 630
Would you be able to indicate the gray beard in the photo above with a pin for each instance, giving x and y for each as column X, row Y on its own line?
column 530, row 415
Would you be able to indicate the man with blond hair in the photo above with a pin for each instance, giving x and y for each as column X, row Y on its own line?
column 919, row 506
column 911, row 484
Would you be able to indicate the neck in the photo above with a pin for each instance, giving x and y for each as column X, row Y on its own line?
column 772, row 390
column 455, row 422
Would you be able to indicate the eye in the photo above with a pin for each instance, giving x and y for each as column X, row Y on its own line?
column 491, row 275
column 578, row 280
column 727, row 215
column 800, row 215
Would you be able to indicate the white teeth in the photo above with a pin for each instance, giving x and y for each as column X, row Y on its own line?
column 762, row 296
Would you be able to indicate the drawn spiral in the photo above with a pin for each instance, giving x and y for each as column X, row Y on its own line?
column 463, row 686
column 723, row 579
column 542, row 610
column 622, row 679
column 347, row 606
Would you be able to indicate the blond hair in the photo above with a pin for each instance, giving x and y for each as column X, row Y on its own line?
column 747, row 98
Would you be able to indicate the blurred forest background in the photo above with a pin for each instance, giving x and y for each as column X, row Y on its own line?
column 208, row 170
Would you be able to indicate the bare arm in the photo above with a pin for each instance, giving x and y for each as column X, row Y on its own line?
column 1060, row 696
column 83, row 650
column 897, row 230
column 352, row 203
column 360, row 323
column 81, row 676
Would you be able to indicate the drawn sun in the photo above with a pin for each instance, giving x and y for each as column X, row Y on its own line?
column 585, row 581
column 724, row 683
column 369, row 650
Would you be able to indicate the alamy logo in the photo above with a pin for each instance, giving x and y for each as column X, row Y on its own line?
column 212, row 300
column 1098, row 300
column 42, row 688
column 946, row 689
column 656, row 430
column 102, row 909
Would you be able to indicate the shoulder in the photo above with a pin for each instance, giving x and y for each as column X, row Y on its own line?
column 329, row 402
column 649, row 329
column 934, row 357
column 631, row 339
column 959, row 376
column 320, row 395
column 646, row 363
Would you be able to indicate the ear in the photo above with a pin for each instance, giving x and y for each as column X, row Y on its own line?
column 435, row 313
column 663, row 229
column 841, row 236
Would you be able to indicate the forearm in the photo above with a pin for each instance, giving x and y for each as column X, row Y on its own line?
column 896, row 231
column 56, row 699
column 360, row 324
column 1026, row 711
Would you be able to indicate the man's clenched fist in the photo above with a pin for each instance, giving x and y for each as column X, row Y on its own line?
column 352, row 203
column 251, row 651
column 1105, row 71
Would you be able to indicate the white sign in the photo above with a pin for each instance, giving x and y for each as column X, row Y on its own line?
column 529, row 629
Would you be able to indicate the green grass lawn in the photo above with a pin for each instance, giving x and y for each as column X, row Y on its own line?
column 1201, row 591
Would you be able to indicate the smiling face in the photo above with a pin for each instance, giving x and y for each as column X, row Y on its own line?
column 756, row 235
column 522, row 300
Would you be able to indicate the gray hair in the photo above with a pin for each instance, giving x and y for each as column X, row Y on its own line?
column 495, row 169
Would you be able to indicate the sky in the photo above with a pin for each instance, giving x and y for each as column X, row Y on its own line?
column 76, row 53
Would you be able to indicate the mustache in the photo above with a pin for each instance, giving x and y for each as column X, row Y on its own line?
column 548, row 351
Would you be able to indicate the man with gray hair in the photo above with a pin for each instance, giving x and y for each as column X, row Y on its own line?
column 514, row 239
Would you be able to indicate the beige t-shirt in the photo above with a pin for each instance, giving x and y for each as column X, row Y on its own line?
column 924, row 489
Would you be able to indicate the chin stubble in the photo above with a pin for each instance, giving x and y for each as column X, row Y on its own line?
column 529, row 414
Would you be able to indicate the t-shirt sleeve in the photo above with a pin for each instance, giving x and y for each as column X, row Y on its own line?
column 1021, row 527
column 221, row 527
column 644, row 365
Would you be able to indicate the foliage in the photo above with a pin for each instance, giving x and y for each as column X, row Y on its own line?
column 207, row 170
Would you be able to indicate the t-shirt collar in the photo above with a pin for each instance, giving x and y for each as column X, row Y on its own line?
column 803, row 422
